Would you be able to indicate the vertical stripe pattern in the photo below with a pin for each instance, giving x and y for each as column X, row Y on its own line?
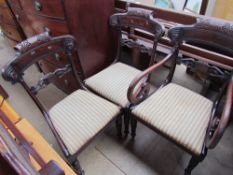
column 179, row 113
column 113, row 82
column 80, row 116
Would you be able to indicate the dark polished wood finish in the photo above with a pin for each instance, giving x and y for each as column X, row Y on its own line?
column 36, row 49
column 5, row 15
column 136, row 97
column 52, row 9
column 218, row 124
column 211, row 33
column 89, row 22
column 204, row 6
column 5, row 167
column 96, row 39
column 216, row 33
column 170, row 19
column 9, row 25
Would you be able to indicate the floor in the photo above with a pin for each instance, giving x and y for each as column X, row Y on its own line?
column 148, row 154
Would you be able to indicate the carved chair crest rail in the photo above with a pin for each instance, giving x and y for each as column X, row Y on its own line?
column 134, row 19
column 195, row 126
column 82, row 115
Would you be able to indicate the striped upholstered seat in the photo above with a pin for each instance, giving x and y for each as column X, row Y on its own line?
column 113, row 82
column 80, row 116
column 178, row 113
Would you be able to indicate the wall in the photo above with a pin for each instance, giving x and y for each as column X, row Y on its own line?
column 223, row 9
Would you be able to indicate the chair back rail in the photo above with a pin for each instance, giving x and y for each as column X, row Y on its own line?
column 29, row 54
column 217, row 34
column 32, row 42
column 137, row 18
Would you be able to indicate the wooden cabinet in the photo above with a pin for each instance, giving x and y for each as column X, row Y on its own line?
column 52, row 8
column 87, row 20
column 11, row 32
column 15, row 3
column 6, row 16
column 9, row 24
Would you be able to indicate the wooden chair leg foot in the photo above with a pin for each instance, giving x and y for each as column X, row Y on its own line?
column 119, row 126
column 126, row 123
column 133, row 127
column 133, row 136
column 186, row 172
column 78, row 167
column 194, row 162
column 119, row 135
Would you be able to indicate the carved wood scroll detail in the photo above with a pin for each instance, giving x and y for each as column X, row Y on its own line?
column 218, row 124
column 10, row 74
column 138, row 18
column 69, row 45
column 50, row 77
column 215, row 26
column 130, row 43
column 32, row 42
column 212, row 32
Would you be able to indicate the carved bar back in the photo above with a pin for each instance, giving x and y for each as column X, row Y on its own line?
column 35, row 49
column 137, row 18
column 31, row 51
column 69, row 119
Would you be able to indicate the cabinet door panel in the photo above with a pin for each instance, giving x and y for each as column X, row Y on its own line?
column 51, row 8
column 3, row 3
column 6, row 16
column 11, row 32
column 58, row 59
column 23, row 22
column 40, row 24
column 33, row 24
column 15, row 3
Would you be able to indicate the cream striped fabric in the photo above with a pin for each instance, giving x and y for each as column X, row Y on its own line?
column 80, row 116
column 113, row 82
column 179, row 113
